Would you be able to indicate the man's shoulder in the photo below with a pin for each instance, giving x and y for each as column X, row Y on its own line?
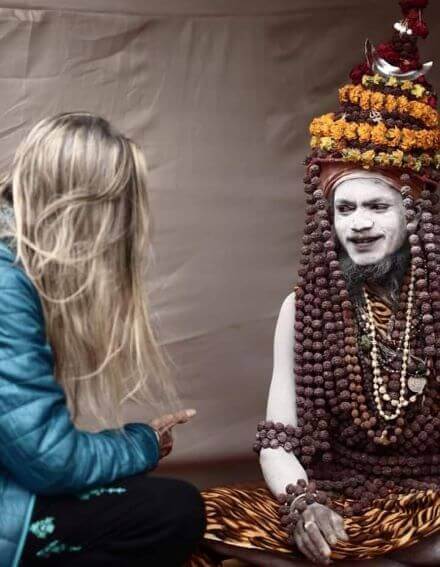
column 288, row 305
column 290, row 299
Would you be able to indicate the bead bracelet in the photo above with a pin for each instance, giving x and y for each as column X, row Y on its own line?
column 295, row 500
column 273, row 435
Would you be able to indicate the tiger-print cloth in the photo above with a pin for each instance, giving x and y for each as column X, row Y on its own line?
column 382, row 312
column 247, row 517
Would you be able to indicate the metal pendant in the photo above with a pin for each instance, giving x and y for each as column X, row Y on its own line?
column 417, row 384
column 383, row 439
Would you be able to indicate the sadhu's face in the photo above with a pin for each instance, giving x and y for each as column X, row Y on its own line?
column 369, row 219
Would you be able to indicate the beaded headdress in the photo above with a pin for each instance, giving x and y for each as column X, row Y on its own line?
column 388, row 113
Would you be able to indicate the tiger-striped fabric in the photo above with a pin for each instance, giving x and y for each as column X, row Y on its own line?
column 382, row 313
column 247, row 517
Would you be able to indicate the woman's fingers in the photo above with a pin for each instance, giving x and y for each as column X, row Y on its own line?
column 166, row 444
column 171, row 419
column 164, row 425
column 167, row 437
column 159, row 422
column 182, row 416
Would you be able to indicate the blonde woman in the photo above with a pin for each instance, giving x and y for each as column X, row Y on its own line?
column 75, row 337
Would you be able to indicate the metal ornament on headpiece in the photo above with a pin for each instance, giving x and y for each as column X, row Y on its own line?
column 386, row 70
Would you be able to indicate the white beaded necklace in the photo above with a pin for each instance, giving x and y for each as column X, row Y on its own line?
column 380, row 390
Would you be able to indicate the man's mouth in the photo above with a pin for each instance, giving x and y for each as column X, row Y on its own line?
column 364, row 239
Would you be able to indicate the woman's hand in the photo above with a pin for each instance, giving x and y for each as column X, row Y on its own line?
column 317, row 529
column 164, row 425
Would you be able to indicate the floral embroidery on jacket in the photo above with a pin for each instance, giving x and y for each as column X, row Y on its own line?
column 57, row 547
column 99, row 491
column 42, row 528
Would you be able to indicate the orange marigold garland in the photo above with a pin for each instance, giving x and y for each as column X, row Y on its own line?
column 405, row 138
column 373, row 100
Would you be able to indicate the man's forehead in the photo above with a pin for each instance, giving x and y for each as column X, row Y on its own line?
column 360, row 190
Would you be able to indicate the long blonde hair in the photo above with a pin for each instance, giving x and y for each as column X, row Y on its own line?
column 82, row 234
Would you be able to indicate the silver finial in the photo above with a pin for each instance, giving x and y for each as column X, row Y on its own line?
column 382, row 67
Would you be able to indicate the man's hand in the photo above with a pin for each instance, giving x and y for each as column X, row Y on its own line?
column 317, row 529
column 164, row 425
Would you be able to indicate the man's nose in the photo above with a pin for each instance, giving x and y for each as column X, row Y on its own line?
column 361, row 222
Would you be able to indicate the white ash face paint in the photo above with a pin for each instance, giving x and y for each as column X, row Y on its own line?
column 369, row 219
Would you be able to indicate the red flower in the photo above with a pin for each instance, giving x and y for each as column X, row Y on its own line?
column 358, row 72
column 387, row 51
column 406, row 66
column 420, row 29
column 432, row 101
column 408, row 5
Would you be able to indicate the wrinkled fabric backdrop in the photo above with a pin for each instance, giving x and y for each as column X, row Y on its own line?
column 219, row 93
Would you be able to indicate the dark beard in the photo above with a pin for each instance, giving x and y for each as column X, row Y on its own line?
column 387, row 275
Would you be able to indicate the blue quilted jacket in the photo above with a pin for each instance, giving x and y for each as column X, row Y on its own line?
column 41, row 452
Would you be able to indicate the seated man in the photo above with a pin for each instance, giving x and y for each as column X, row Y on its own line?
column 351, row 445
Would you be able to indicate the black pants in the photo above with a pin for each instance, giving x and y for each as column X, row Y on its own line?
column 140, row 520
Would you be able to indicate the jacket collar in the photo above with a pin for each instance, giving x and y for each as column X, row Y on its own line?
column 7, row 218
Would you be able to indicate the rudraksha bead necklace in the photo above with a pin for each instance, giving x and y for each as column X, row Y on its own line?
column 380, row 389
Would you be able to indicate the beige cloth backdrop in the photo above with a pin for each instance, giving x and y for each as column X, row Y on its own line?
column 219, row 93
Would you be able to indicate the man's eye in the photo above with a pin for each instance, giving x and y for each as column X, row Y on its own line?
column 344, row 208
column 380, row 207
